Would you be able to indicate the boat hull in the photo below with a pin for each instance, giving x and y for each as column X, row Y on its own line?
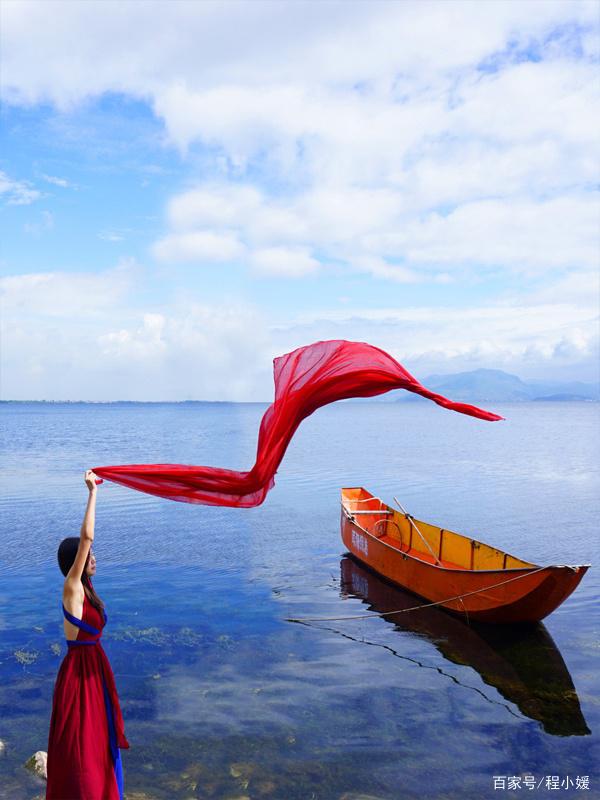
column 504, row 596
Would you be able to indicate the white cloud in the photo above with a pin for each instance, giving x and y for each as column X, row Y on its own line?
column 62, row 182
column 81, row 336
column 144, row 342
column 212, row 205
column 534, row 340
column 519, row 235
column 350, row 88
column 380, row 268
column 242, row 42
column 65, row 295
column 17, row 193
column 531, row 101
column 414, row 142
column 488, row 169
column 86, row 339
column 284, row 261
column 374, row 231
column 198, row 246
column 215, row 340
column 577, row 287
column 406, row 140
column 110, row 236
column 336, row 133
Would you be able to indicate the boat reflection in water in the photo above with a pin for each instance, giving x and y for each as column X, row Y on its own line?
column 521, row 662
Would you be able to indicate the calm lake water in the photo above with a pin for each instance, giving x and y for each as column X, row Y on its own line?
column 222, row 697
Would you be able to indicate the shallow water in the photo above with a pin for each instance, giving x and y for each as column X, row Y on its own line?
column 222, row 697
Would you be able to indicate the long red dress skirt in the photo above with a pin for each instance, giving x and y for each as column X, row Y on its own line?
column 86, row 727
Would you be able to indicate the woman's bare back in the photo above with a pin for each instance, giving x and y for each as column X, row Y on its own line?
column 73, row 597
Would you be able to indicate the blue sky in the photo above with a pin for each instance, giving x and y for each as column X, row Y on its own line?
column 189, row 189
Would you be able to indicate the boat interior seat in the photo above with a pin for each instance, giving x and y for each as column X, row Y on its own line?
column 427, row 557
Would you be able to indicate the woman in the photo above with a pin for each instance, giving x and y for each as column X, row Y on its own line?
column 86, row 728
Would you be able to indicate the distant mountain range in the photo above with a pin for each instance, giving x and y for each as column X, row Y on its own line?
column 480, row 385
column 497, row 386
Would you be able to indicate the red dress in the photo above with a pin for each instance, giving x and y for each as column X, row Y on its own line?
column 86, row 727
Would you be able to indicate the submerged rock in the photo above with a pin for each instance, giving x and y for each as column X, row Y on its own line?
column 194, row 770
column 242, row 769
column 225, row 641
column 138, row 796
column 266, row 787
column 152, row 635
column 38, row 764
column 26, row 656
column 359, row 796
column 188, row 637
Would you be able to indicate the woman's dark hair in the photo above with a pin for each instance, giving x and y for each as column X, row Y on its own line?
column 67, row 550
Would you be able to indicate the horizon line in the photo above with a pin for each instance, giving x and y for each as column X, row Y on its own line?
column 549, row 398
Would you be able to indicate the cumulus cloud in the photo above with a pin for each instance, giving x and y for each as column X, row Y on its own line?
column 250, row 43
column 400, row 139
column 17, row 193
column 374, row 231
column 92, row 334
column 212, row 205
column 53, row 179
column 417, row 143
column 198, row 246
column 521, row 235
column 144, row 342
column 577, row 287
column 343, row 88
column 553, row 331
column 533, row 340
column 286, row 261
column 65, row 294
column 341, row 134
column 405, row 161
column 82, row 336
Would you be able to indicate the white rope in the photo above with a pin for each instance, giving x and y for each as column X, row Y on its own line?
column 414, row 524
column 365, row 499
column 415, row 608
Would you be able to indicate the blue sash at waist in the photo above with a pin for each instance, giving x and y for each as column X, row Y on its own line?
column 71, row 643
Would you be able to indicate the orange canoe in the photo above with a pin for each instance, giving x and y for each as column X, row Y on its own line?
column 458, row 573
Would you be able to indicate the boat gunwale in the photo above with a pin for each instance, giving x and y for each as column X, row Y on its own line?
column 352, row 520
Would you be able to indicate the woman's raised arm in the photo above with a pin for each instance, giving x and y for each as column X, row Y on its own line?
column 89, row 520
column 86, row 536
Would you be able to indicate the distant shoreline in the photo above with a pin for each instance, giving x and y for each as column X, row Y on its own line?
column 138, row 402
column 361, row 400
column 478, row 386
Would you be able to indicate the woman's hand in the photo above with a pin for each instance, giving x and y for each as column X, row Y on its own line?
column 87, row 527
column 90, row 479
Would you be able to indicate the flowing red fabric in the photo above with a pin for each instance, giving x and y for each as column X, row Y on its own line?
column 305, row 380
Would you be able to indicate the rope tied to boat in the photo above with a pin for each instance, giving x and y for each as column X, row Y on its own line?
column 416, row 608
column 411, row 521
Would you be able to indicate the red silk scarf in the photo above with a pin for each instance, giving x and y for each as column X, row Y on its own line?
column 305, row 380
